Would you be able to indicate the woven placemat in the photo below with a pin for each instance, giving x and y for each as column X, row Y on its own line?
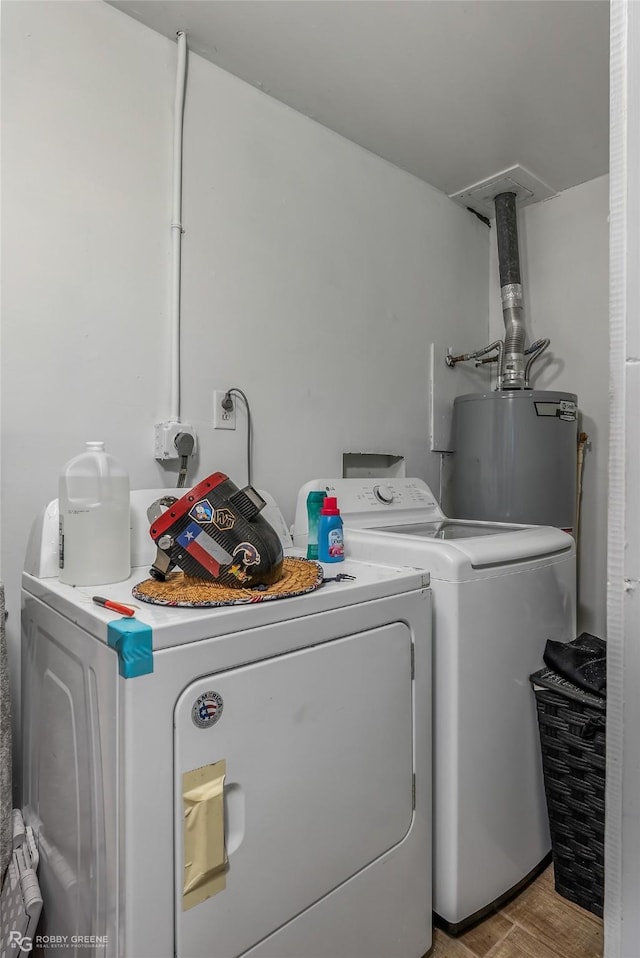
column 298, row 576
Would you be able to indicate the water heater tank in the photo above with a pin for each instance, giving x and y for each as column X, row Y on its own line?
column 515, row 457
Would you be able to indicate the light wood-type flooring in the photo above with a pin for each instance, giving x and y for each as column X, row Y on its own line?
column 537, row 924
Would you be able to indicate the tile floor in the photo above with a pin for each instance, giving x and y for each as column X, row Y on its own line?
column 536, row 924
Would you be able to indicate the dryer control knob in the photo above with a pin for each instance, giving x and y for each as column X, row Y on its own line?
column 384, row 494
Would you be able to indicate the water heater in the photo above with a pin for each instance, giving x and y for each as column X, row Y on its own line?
column 515, row 457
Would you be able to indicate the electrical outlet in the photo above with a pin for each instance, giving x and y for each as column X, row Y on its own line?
column 223, row 418
column 165, row 435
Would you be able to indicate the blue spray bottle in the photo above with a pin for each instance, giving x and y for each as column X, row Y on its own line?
column 330, row 535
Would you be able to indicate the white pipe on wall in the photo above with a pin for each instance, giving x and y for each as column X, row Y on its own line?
column 176, row 227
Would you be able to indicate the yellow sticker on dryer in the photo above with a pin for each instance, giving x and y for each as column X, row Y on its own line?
column 205, row 854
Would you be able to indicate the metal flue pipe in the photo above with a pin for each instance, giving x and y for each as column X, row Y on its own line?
column 511, row 291
column 514, row 362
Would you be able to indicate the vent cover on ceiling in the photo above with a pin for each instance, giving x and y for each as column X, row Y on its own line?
column 527, row 187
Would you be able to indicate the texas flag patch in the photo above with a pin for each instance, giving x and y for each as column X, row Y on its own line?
column 204, row 548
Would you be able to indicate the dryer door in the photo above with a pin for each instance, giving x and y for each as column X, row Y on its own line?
column 318, row 748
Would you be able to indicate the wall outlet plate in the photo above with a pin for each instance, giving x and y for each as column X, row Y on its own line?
column 164, row 440
column 223, row 418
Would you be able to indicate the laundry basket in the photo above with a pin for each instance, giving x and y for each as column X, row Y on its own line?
column 572, row 737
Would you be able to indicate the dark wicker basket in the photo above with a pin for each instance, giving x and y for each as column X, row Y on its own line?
column 572, row 737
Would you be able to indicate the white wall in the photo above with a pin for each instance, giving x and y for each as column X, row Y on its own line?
column 315, row 274
column 315, row 277
column 564, row 260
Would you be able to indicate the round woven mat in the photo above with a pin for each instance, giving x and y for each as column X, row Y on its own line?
column 298, row 576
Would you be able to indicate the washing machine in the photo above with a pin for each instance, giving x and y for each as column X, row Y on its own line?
column 499, row 592
column 281, row 749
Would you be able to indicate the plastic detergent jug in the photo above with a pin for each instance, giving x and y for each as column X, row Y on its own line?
column 330, row 534
column 95, row 535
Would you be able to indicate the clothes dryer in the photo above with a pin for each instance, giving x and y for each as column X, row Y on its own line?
column 311, row 717
column 499, row 592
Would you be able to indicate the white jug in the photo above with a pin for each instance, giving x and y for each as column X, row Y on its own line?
column 95, row 534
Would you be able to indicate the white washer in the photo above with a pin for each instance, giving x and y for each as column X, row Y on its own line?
column 325, row 730
column 499, row 592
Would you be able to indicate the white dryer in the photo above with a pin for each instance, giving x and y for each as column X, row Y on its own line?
column 499, row 592
column 321, row 810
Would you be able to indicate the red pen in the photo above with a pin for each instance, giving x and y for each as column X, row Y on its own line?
column 114, row 606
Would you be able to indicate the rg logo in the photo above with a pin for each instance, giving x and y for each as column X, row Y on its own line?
column 22, row 942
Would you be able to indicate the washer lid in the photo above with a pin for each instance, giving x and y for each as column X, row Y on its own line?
column 449, row 529
column 491, row 549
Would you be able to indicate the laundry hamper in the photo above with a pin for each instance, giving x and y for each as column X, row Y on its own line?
column 572, row 737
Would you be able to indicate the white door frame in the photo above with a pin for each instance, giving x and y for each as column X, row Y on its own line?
column 622, row 852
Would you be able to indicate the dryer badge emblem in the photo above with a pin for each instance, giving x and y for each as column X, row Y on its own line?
column 207, row 709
